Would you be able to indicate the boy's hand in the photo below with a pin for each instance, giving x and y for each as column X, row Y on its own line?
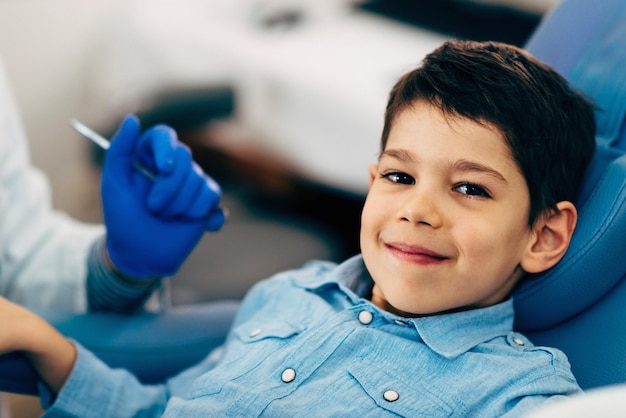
column 20, row 327
column 50, row 353
column 154, row 224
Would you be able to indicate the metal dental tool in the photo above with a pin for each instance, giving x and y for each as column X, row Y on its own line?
column 104, row 143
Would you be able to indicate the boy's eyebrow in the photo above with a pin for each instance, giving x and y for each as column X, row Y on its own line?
column 472, row 166
column 399, row 154
column 458, row 165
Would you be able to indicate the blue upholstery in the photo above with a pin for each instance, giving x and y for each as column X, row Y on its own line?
column 578, row 306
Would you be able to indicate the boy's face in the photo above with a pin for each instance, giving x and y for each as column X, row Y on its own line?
column 445, row 223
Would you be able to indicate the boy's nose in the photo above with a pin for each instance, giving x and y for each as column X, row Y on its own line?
column 420, row 207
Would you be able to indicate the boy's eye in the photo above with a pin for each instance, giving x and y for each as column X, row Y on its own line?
column 399, row 177
column 471, row 189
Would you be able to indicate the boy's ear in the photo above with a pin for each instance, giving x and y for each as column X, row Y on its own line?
column 552, row 235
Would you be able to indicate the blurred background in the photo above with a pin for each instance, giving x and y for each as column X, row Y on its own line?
column 280, row 101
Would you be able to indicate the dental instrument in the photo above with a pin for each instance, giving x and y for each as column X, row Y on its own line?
column 104, row 143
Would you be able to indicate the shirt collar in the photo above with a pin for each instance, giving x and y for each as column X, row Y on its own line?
column 453, row 334
column 351, row 276
column 449, row 335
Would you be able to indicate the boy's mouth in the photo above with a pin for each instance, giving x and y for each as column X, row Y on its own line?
column 415, row 253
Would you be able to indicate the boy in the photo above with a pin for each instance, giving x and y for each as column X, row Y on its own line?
column 481, row 153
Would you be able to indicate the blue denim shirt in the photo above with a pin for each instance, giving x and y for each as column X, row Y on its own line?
column 309, row 342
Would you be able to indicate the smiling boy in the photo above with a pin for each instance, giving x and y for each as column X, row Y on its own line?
column 445, row 225
column 481, row 154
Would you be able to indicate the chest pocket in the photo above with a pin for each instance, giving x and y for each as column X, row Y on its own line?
column 394, row 395
column 261, row 337
column 260, row 329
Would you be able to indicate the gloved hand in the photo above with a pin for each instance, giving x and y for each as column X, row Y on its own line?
column 153, row 225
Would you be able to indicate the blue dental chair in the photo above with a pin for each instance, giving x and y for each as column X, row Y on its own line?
column 578, row 306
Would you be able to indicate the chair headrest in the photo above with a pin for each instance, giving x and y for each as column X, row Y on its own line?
column 586, row 43
column 592, row 265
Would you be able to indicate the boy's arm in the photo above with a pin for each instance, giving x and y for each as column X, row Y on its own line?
column 76, row 382
column 50, row 353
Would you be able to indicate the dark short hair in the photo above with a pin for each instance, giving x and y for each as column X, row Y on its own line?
column 548, row 125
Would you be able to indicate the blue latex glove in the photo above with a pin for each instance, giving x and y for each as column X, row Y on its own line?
column 153, row 225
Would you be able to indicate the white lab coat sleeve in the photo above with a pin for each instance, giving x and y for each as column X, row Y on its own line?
column 43, row 253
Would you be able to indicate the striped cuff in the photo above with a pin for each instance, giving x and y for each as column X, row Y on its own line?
column 108, row 290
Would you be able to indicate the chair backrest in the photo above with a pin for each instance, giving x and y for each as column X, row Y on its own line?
column 579, row 305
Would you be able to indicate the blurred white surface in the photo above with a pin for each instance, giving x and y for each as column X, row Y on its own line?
column 311, row 78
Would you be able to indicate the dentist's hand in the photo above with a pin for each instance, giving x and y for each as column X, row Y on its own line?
column 153, row 225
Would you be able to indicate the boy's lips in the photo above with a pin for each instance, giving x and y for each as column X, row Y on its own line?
column 415, row 253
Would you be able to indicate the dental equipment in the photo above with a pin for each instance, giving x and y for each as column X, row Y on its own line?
column 104, row 143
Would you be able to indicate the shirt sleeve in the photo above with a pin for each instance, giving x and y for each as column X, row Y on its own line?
column 553, row 383
column 93, row 390
column 107, row 290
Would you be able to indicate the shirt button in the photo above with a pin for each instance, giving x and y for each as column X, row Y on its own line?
column 288, row 375
column 391, row 395
column 256, row 332
column 366, row 317
column 518, row 341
